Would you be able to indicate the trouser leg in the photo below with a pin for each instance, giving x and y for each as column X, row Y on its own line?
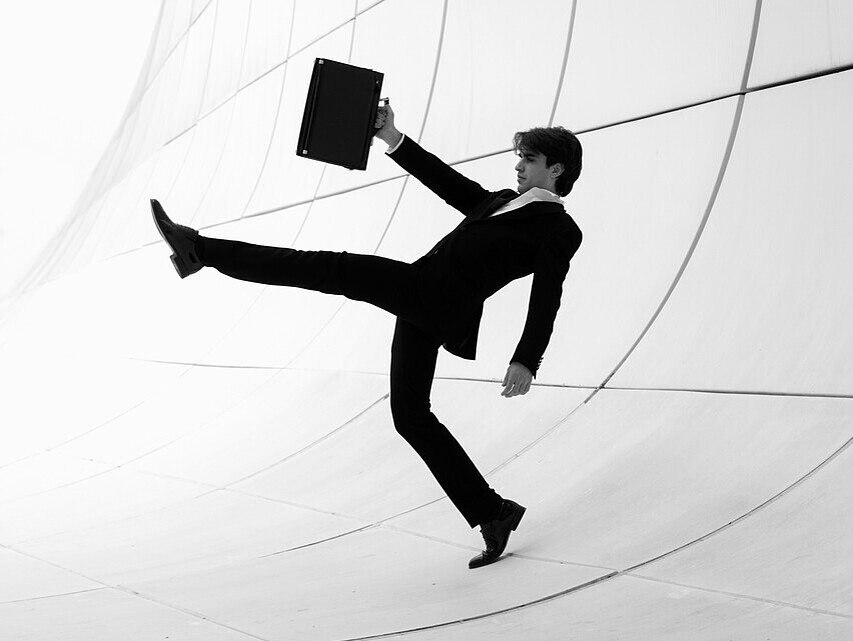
column 388, row 284
column 413, row 359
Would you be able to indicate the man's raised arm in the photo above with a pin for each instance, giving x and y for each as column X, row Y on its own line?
column 461, row 193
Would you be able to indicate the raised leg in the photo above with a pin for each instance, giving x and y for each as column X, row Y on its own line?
column 388, row 284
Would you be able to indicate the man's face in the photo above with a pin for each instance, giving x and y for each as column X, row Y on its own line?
column 533, row 171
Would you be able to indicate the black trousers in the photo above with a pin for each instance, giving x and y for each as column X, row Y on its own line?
column 392, row 286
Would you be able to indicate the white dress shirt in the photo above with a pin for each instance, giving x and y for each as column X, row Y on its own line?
column 533, row 194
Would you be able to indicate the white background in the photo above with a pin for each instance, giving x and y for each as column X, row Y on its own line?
column 68, row 69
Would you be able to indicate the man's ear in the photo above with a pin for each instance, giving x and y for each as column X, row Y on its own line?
column 556, row 169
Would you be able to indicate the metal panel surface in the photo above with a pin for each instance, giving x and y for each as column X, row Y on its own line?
column 179, row 540
column 237, row 173
column 107, row 494
column 492, row 429
column 384, row 561
column 268, row 38
column 633, row 475
column 408, row 79
column 801, row 38
column 315, row 20
column 35, row 579
column 282, row 418
column 105, row 615
column 286, row 178
column 792, row 550
column 628, row 59
column 626, row 608
column 226, row 53
column 760, row 307
column 498, row 72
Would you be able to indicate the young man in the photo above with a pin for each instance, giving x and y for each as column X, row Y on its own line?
column 438, row 299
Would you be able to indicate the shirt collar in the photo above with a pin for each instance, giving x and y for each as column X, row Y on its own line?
column 533, row 194
column 539, row 193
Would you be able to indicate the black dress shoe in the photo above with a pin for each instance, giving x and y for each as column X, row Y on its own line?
column 181, row 239
column 496, row 533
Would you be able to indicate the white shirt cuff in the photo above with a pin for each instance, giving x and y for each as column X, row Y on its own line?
column 391, row 150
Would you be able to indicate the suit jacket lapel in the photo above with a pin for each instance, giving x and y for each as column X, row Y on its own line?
column 498, row 200
column 536, row 208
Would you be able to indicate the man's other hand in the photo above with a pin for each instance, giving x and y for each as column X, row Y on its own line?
column 517, row 380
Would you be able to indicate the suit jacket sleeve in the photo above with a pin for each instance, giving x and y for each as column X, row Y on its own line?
column 551, row 267
column 461, row 193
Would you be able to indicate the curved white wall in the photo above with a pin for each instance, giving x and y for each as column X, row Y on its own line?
column 211, row 459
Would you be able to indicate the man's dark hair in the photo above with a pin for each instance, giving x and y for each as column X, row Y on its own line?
column 558, row 145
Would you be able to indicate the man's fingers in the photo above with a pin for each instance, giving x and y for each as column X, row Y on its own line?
column 510, row 387
column 516, row 383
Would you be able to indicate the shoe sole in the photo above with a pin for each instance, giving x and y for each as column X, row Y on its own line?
column 177, row 262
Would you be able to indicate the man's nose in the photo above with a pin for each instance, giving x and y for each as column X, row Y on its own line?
column 518, row 166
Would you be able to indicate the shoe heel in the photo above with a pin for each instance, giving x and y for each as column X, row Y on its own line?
column 180, row 266
column 517, row 518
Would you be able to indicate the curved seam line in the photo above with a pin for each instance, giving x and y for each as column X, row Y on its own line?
column 471, row 379
column 697, row 237
column 113, row 466
column 288, row 56
column 215, row 171
column 335, row 313
column 565, row 63
column 169, row 54
column 760, row 507
column 51, row 448
column 738, row 595
column 275, row 124
column 480, row 617
column 556, row 426
column 352, row 38
column 711, row 201
column 229, row 131
column 198, row 114
column 304, row 219
column 430, row 96
column 262, row 168
column 620, row 573
column 311, row 445
column 49, row 596
column 756, row 20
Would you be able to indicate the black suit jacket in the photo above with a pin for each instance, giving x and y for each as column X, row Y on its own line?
column 483, row 254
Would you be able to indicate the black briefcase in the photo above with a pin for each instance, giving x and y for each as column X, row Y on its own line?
column 340, row 112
